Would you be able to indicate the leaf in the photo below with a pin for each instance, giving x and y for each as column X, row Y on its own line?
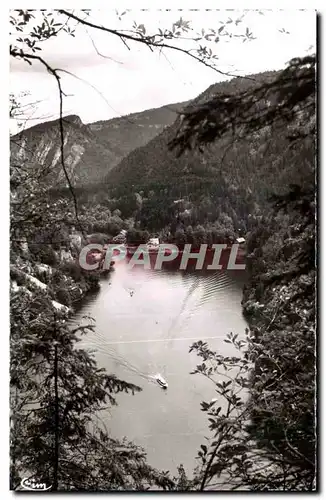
column 204, row 448
column 204, row 406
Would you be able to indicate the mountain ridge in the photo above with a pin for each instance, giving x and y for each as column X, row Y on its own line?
column 90, row 150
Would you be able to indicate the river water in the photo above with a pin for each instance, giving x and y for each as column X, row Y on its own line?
column 146, row 321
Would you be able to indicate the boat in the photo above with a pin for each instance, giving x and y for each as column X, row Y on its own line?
column 157, row 249
column 152, row 249
column 131, row 249
column 149, row 248
column 161, row 381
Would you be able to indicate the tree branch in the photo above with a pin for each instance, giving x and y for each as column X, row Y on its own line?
column 54, row 72
column 146, row 41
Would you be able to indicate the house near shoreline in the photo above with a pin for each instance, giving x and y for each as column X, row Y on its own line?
column 121, row 237
column 153, row 241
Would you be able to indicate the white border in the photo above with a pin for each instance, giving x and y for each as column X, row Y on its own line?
column 4, row 184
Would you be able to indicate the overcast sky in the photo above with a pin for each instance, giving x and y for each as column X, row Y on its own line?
column 133, row 80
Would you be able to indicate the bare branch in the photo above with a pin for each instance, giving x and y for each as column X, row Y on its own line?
column 146, row 41
column 54, row 72
column 99, row 53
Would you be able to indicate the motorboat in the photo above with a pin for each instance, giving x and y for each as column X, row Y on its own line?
column 157, row 249
column 152, row 249
column 131, row 249
column 161, row 381
column 149, row 249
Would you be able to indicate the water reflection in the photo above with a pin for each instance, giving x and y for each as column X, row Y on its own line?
column 149, row 331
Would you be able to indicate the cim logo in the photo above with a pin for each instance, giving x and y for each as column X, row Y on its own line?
column 32, row 485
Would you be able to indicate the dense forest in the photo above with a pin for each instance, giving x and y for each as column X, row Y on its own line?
column 210, row 191
column 238, row 161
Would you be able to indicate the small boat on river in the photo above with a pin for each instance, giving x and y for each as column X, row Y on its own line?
column 161, row 381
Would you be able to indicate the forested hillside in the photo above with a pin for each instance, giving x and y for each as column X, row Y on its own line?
column 223, row 189
column 230, row 181
column 90, row 150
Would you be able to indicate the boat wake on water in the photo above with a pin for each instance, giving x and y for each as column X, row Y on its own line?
column 99, row 345
column 207, row 292
column 191, row 290
column 99, row 342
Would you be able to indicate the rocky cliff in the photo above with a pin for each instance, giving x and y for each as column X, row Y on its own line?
column 90, row 150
